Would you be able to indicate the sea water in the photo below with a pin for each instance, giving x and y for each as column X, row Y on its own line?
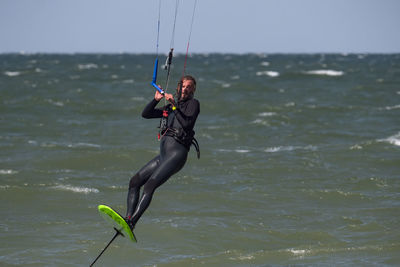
column 300, row 161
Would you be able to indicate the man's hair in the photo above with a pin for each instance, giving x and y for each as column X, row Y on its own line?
column 190, row 78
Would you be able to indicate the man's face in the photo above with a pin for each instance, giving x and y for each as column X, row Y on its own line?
column 187, row 89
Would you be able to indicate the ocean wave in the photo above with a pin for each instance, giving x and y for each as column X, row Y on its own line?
column 308, row 251
column 289, row 148
column 235, row 150
column 129, row 81
column 338, row 193
column 76, row 189
column 12, row 73
column 58, row 144
column 260, row 121
column 87, row 66
column 242, row 150
column 5, row 172
column 394, row 139
column 77, row 145
column 391, row 107
column 290, row 104
column 267, row 73
column 223, row 84
column 325, row 72
column 55, row 103
column 298, row 252
column 356, row 147
column 267, row 114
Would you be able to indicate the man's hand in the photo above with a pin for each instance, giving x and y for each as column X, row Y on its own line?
column 170, row 98
column 158, row 96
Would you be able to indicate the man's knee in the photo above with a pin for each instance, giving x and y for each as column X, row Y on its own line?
column 135, row 181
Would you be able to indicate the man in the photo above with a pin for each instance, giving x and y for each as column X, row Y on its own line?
column 176, row 134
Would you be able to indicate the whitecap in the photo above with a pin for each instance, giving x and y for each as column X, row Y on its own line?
column 356, row 147
column 242, row 150
column 129, row 81
column 235, row 150
column 223, row 84
column 219, row 82
column 299, row 251
column 274, row 149
column 260, row 121
column 325, row 72
column 268, row 73
column 12, row 73
column 76, row 189
column 290, row 104
column 8, row 172
column 246, row 257
column 87, row 66
column 70, row 145
column 267, row 114
column 264, row 63
column 55, row 103
column 84, row 145
column 392, row 107
column 394, row 139
column 289, row 148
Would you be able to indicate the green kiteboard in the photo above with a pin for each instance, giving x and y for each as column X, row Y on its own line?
column 116, row 220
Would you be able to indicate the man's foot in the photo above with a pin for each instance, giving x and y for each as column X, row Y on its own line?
column 129, row 222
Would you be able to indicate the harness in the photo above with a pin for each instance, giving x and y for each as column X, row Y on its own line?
column 179, row 134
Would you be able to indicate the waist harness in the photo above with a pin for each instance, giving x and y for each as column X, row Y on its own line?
column 179, row 134
column 186, row 139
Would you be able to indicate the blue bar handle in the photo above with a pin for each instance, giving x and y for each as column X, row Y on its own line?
column 153, row 82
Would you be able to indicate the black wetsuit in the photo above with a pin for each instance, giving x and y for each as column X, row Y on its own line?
column 173, row 154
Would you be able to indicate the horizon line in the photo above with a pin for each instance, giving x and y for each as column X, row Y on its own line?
column 198, row 53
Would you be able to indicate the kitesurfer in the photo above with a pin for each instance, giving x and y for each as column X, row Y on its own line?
column 176, row 136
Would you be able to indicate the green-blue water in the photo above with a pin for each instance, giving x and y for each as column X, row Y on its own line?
column 300, row 161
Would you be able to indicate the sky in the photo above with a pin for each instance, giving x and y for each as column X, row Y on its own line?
column 220, row 26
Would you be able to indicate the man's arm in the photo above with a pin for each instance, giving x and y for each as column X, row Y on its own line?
column 150, row 111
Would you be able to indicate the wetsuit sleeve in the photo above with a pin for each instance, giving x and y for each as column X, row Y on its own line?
column 187, row 117
column 150, row 111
